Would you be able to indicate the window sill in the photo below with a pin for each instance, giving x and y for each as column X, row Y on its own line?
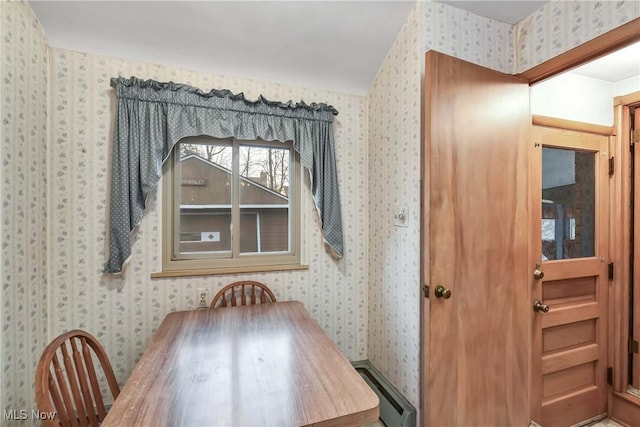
column 227, row 270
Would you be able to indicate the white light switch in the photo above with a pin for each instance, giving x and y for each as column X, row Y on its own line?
column 402, row 217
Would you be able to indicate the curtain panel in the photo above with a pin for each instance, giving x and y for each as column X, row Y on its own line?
column 152, row 117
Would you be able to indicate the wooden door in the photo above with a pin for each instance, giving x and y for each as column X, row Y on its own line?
column 475, row 236
column 569, row 187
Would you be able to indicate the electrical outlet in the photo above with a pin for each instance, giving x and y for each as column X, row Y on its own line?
column 202, row 298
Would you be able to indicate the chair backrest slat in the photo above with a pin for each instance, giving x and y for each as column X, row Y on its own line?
column 73, row 385
column 93, row 380
column 83, row 373
column 55, row 394
column 58, row 402
column 70, row 387
column 67, row 411
column 263, row 298
column 227, row 295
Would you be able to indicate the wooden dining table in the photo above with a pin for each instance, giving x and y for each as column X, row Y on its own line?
column 258, row 365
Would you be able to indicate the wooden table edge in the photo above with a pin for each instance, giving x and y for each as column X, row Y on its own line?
column 363, row 417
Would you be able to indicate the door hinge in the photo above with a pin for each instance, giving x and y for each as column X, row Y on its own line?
column 610, row 375
column 612, row 166
column 610, row 271
column 425, row 289
column 634, row 347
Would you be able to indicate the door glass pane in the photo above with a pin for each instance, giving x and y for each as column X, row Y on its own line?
column 264, row 199
column 568, row 204
column 205, row 197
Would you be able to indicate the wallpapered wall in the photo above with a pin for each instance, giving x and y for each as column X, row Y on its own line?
column 124, row 311
column 562, row 25
column 464, row 35
column 395, row 148
column 394, row 183
column 58, row 192
column 394, row 144
column 23, row 187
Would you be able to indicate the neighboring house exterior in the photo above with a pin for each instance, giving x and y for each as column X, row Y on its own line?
column 205, row 210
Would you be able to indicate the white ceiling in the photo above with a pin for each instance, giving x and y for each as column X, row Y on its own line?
column 335, row 45
column 615, row 67
column 510, row 12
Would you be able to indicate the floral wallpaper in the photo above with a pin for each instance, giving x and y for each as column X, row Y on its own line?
column 470, row 37
column 23, row 188
column 55, row 173
column 395, row 150
column 394, row 183
column 395, row 146
column 562, row 25
column 123, row 311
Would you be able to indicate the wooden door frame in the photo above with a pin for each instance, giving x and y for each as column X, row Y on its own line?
column 622, row 406
column 615, row 39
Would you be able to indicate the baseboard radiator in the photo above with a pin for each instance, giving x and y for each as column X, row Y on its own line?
column 395, row 410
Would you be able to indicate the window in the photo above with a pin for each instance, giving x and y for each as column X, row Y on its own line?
column 231, row 205
column 568, row 203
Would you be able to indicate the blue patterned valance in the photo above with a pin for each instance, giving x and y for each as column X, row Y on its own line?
column 152, row 117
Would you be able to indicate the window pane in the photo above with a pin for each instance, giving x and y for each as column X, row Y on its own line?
column 264, row 199
column 205, row 197
column 568, row 204
column 248, row 232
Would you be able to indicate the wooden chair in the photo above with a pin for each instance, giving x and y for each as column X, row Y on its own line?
column 236, row 294
column 66, row 380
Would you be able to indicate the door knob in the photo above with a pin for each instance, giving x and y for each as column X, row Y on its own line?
column 538, row 306
column 442, row 292
column 538, row 274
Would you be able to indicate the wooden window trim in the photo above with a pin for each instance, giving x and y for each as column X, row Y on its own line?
column 228, row 270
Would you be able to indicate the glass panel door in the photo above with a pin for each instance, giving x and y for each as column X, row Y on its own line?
column 568, row 204
column 569, row 290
